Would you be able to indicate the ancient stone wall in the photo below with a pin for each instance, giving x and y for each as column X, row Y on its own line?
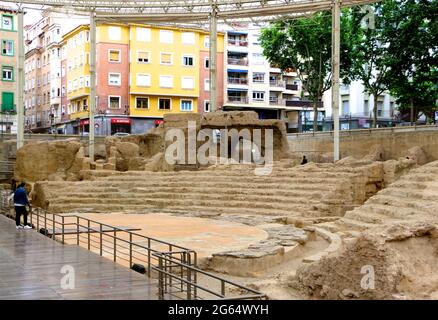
column 358, row 143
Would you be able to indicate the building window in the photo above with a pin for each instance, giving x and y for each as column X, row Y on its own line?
column 188, row 61
column 87, row 81
column 188, row 38
column 391, row 109
column 143, row 34
column 114, row 79
column 258, row 58
column 114, row 33
column 207, row 42
column 186, row 105
column 366, row 108
column 114, row 102
column 258, row 96
column 206, row 84
column 166, row 81
column 345, row 107
column 380, row 108
column 166, row 36
column 8, row 73
column 206, row 106
column 187, row 82
column 258, row 77
column 8, row 47
column 166, row 58
column 7, row 22
column 142, row 103
column 114, row 55
column 143, row 80
column 207, row 63
column 164, row 104
column 81, row 82
column 143, row 56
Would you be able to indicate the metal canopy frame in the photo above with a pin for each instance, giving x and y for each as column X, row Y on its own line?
column 186, row 11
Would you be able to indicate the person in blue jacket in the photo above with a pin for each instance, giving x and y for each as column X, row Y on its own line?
column 20, row 203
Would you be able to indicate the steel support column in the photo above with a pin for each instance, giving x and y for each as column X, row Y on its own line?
column 336, row 41
column 213, row 60
column 20, row 82
column 92, row 84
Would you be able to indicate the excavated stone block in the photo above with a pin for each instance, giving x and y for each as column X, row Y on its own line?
column 109, row 166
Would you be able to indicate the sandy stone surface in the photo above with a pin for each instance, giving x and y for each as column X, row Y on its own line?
column 205, row 236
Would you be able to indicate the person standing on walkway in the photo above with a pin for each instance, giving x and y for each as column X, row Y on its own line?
column 20, row 203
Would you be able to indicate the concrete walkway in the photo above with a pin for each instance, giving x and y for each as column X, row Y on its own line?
column 30, row 268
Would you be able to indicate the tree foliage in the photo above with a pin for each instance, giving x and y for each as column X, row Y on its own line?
column 304, row 44
column 412, row 33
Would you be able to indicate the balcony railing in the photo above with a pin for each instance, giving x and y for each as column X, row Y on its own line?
column 238, row 99
column 274, row 101
column 276, row 83
column 293, row 87
column 238, row 61
column 238, row 42
column 243, row 81
column 8, row 109
column 302, row 104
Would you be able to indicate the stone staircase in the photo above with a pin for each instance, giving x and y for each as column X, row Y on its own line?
column 414, row 197
column 310, row 190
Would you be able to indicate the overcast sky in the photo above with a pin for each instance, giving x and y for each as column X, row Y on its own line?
column 31, row 15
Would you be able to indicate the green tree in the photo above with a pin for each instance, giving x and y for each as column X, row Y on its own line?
column 304, row 44
column 412, row 33
column 369, row 54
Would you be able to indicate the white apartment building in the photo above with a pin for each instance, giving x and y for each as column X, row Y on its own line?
column 356, row 108
column 251, row 83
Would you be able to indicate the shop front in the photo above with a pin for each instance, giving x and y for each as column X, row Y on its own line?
column 120, row 125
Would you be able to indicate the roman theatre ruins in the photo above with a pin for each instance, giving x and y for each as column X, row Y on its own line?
column 312, row 231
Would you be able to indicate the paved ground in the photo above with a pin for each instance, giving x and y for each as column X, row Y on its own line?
column 30, row 268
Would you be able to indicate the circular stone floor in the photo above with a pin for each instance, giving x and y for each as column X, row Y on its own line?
column 206, row 236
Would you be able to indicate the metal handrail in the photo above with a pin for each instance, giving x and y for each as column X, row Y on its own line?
column 175, row 266
column 166, row 276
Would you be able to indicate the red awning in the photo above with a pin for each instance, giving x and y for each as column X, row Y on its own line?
column 84, row 122
column 121, row 121
column 157, row 122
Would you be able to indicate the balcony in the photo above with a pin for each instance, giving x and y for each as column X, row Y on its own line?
column 8, row 109
column 276, row 83
column 275, row 101
column 302, row 104
column 235, row 99
column 292, row 87
column 238, row 42
column 238, row 61
column 240, row 81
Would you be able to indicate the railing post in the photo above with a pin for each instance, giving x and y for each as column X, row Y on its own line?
column 38, row 220
column 63, row 237
column 115, row 245
column 53, row 227
column 223, row 288
column 89, row 234
column 130, row 249
column 189, row 286
column 149, row 257
column 101, row 234
column 77, row 230
column 160, row 279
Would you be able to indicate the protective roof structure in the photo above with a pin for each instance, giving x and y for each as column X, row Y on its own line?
column 185, row 11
